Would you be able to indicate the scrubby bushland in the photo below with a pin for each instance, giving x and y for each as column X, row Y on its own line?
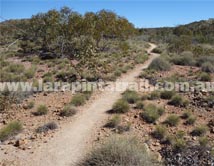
column 121, row 106
column 131, row 96
column 10, row 130
column 151, row 113
column 160, row 64
column 82, row 40
column 47, row 127
column 118, row 152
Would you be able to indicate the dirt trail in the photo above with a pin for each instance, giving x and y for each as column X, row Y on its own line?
column 71, row 142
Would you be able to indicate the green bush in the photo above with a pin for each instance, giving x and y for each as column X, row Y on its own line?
column 167, row 94
column 10, row 130
column 157, row 50
column 113, row 122
column 29, row 73
column 151, row 113
column 139, row 104
column 190, row 120
column 178, row 101
column 45, row 128
column 140, row 58
column 118, row 152
column 179, row 145
column 68, row 110
column 118, row 73
column 183, row 60
column 41, row 110
column 123, row 128
column 186, row 114
column 180, row 134
column 160, row 64
column 172, row 120
column 160, row 132
column 203, row 141
column 205, row 59
column 199, row 131
column 154, row 95
column 15, row 68
column 121, row 106
column 78, row 99
column 207, row 67
column 205, row 77
column 131, row 96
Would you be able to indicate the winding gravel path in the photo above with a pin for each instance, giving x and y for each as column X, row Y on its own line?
column 71, row 142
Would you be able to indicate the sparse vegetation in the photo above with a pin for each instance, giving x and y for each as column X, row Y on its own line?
column 172, row 120
column 131, row 96
column 68, row 110
column 10, row 130
column 121, row 106
column 199, row 130
column 167, row 94
column 118, row 151
column 30, row 72
column 205, row 77
column 179, row 145
column 47, row 127
column 154, row 95
column 151, row 113
column 203, row 141
column 186, row 114
column 41, row 110
column 29, row 105
column 190, row 120
column 178, row 100
column 183, row 60
column 207, row 67
column 160, row 132
column 159, row 64
column 78, row 99
column 140, row 104
column 113, row 122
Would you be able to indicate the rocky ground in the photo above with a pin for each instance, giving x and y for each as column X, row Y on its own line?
column 204, row 112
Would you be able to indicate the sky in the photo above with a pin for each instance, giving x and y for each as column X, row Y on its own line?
column 142, row 13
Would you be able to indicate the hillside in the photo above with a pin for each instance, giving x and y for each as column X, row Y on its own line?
column 200, row 32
